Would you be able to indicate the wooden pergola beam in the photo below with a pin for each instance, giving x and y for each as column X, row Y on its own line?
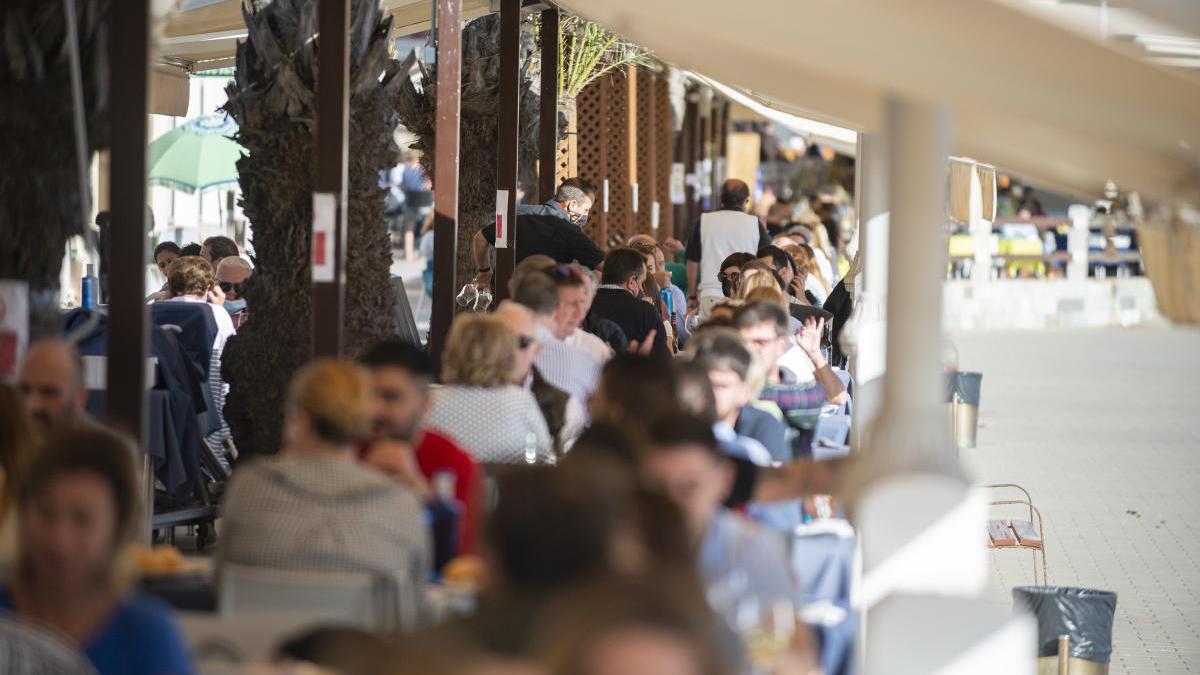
column 445, row 172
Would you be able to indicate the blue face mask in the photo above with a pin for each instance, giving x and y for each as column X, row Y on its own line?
column 233, row 306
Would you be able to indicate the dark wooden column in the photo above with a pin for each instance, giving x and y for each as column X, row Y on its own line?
column 664, row 152
column 129, row 59
column 548, row 123
column 445, row 172
column 329, row 204
column 647, row 152
column 507, row 134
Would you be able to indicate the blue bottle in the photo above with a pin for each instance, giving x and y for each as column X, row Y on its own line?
column 87, row 295
column 445, row 514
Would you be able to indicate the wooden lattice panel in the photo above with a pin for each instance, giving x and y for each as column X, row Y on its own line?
column 619, row 137
column 646, row 154
column 664, row 153
column 591, row 151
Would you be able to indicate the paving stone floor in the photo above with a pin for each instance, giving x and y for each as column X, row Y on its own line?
column 1103, row 428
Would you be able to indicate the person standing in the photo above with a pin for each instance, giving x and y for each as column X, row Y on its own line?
column 718, row 234
column 554, row 229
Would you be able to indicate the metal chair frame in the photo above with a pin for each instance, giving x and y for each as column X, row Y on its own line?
column 1033, row 511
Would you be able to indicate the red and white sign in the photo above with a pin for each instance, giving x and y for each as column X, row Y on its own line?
column 324, row 212
column 502, row 224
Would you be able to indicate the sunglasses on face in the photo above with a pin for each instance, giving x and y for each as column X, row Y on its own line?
column 227, row 286
column 730, row 277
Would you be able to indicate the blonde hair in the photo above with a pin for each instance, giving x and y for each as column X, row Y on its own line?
column 769, row 293
column 234, row 261
column 480, row 351
column 806, row 263
column 335, row 394
column 760, row 279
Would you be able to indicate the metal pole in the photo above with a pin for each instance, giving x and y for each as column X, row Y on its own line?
column 548, row 123
column 329, row 201
column 129, row 59
column 507, row 135
column 445, row 172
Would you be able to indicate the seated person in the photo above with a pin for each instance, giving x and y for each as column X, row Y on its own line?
column 191, row 279
column 400, row 379
column 164, row 254
column 479, row 406
column 51, row 382
column 735, row 558
column 617, row 300
column 232, row 273
column 314, row 507
column 764, row 325
column 728, row 362
column 565, row 414
column 215, row 249
column 84, row 485
column 563, row 365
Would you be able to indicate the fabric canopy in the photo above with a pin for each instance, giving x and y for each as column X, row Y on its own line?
column 1029, row 96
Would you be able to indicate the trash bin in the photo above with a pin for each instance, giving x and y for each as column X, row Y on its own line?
column 962, row 393
column 1082, row 617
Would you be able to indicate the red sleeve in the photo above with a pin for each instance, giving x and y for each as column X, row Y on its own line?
column 438, row 453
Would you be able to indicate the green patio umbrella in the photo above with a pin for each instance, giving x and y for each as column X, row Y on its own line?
column 197, row 155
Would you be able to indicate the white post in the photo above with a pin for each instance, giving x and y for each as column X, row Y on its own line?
column 919, row 519
column 864, row 337
column 1077, row 241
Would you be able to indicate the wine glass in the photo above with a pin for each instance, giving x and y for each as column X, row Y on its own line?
column 468, row 296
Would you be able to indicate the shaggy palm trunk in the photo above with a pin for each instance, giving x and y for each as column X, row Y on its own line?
column 41, row 203
column 477, row 166
column 272, row 99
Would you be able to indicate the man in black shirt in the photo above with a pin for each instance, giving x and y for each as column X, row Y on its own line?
column 617, row 300
column 553, row 229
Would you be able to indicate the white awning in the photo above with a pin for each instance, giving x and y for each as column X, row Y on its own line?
column 841, row 139
column 1034, row 98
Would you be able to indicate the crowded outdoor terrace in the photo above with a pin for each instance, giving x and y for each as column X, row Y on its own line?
column 507, row 343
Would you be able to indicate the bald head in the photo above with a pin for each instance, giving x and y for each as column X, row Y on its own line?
column 51, row 381
column 521, row 322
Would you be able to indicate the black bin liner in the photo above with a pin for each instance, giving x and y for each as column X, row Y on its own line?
column 967, row 385
column 1083, row 614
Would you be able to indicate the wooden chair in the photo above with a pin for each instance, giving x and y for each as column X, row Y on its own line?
column 1006, row 533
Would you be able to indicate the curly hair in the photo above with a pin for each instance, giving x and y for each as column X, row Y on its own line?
column 480, row 352
column 190, row 275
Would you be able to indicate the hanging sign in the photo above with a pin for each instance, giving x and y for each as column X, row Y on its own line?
column 678, row 195
column 635, row 198
column 502, row 224
column 324, row 213
column 654, row 207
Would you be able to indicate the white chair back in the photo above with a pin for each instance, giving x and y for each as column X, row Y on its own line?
column 369, row 601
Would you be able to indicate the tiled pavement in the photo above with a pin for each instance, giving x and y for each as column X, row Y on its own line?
column 1103, row 427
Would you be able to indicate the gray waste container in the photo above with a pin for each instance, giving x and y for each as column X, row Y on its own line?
column 962, row 393
column 1083, row 616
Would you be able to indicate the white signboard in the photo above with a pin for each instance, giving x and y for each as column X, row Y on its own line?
column 678, row 195
column 324, row 213
column 14, row 326
column 502, row 224
column 654, row 215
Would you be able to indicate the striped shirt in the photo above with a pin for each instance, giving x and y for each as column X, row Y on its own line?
column 216, row 385
column 801, row 404
column 566, row 367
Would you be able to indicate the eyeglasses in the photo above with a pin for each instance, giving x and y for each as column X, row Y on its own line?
column 227, row 286
column 525, row 342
